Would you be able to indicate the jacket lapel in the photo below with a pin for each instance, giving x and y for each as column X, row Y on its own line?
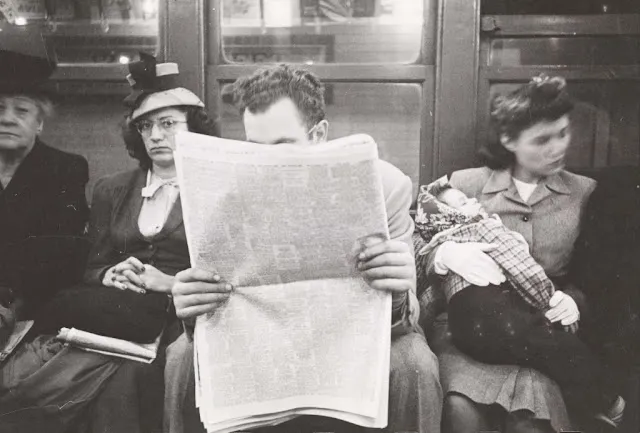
column 501, row 181
column 553, row 184
column 174, row 220
column 128, row 203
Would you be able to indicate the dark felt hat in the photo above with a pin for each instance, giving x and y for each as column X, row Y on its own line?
column 26, row 63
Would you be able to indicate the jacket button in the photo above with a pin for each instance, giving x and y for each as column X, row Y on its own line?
column 525, row 218
column 150, row 247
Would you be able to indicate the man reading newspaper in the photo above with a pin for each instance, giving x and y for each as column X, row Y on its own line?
column 285, row 105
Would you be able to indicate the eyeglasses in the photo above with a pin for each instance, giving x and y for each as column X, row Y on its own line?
column 144, row 127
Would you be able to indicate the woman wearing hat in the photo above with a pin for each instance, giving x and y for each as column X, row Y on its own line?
column 139, row 239
column 136, row 226
column 139, row 242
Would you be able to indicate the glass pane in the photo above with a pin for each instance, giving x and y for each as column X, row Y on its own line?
column 90, row 126
column 90, row 31
column 555, row 7
column 605, row 123
column 565, row 51
column 322, row 31
column 390, row 113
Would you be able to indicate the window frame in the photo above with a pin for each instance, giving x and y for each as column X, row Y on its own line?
column 220, row 72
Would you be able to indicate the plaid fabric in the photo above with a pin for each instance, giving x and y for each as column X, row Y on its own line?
column 512, row 254
column 430, row 296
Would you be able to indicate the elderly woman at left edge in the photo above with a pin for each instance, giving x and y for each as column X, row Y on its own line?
column 43, row 209
column 43, row 212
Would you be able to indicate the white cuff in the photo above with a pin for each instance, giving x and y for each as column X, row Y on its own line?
column 438, row 266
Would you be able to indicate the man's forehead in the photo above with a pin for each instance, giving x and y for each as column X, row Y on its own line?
column 284, row 108
column 281, row 120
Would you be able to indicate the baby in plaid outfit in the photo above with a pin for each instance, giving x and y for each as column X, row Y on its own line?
column 447, row 214
column 505, row 324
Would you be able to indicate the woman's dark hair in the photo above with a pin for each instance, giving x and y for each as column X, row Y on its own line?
column 543, row 99
column 198, row 121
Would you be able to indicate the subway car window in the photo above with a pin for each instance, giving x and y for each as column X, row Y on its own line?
column 93, row 31
column 390, row 113
column 322, row 31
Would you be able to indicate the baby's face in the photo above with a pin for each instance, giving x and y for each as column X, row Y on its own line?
column 457, row 200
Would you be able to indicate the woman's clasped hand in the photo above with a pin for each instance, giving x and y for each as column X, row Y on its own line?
column 132, row 274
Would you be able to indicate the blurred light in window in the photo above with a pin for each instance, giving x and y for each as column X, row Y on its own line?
column 279, row 13
column 150, row 7
column 123, row 60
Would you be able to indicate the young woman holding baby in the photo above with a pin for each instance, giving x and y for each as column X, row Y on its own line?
column 525, row 183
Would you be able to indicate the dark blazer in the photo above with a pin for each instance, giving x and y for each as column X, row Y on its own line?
column 113, row 229
column 43, row 212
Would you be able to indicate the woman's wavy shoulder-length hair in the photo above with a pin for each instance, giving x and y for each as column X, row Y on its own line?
column 198, row 121
column 543, row 99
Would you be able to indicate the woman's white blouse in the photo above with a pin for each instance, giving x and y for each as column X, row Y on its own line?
column 158, row 198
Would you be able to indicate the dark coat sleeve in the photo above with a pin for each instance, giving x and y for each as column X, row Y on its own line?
column 54, row 255
column 102, row 252
column 67, row 211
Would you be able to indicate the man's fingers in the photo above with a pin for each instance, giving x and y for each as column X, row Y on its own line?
column 390, row 285
column 389, row 246
column 195, row 311
column 185, row 289
column 389, row 259
column 388, row 272
column 197, row 275
column 200, row 299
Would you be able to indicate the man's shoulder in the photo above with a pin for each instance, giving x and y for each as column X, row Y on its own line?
column 394, row 181
column 390, row 173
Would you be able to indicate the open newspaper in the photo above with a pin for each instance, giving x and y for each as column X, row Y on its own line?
column 302, row 333
column 110, row 346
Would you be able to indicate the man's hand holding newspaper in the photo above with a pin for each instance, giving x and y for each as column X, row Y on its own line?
column 386, row 265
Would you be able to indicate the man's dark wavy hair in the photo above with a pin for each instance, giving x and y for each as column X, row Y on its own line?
column 258, row 91
column 543, row 99
column 198, row 121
